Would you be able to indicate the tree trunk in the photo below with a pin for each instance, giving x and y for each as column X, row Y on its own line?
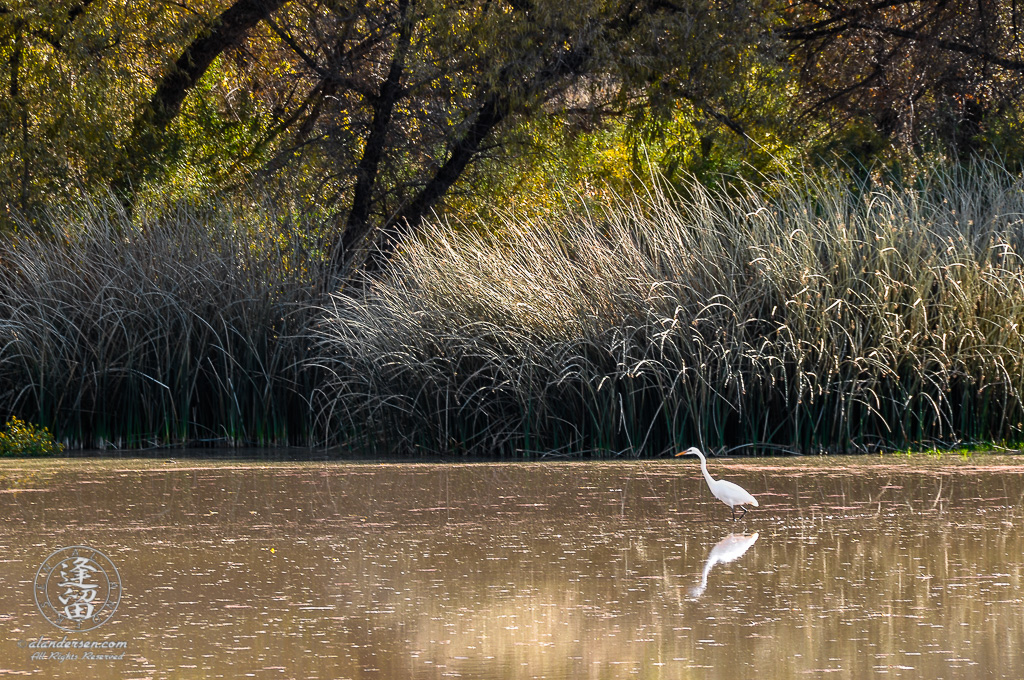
column 227, row 31
column 357, row 225
column 489, row 115
column 495, row 109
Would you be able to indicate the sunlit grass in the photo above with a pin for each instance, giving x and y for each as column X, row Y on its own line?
column 809, row 315
column 965, row 451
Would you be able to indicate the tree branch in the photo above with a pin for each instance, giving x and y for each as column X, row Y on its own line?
column 227, row 31
column 357, row 224
column 324, row 73
column 950, row 45
column 855, row 18
column 827, row 26
column 491, row 113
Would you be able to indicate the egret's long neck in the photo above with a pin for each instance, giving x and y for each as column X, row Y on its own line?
column 704, row 469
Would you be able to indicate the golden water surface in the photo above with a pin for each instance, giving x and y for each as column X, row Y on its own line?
column 850, row 568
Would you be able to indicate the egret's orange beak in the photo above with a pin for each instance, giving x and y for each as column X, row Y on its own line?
column 681, row 453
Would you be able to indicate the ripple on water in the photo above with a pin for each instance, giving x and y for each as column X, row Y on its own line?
column 558, row 570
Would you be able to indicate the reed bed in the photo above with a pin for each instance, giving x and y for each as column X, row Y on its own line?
column 187, row 327
column 807, row 315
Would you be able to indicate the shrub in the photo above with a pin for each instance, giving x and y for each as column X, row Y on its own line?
column 19, row 438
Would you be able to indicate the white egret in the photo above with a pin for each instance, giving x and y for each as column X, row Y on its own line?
column 729, row 549
column 727, row 492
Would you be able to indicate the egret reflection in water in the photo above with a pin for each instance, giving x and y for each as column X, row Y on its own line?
column 729, row 549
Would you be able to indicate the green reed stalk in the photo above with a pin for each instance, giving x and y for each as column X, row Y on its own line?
column 189, row 326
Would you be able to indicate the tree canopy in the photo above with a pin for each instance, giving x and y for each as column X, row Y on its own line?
column 375, row 111
column 913, row 69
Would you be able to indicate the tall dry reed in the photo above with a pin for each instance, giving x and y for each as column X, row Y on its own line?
column 809, row 315
column 185, row 327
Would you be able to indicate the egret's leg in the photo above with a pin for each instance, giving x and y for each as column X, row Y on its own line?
column 744, row 513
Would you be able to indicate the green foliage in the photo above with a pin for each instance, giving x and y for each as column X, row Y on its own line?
column 78, row 74
column 295, row 103
column 930, row 77
column 22, row 439
column 591, row 95
column 566, row 160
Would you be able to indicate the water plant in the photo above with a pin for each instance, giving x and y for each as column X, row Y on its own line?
column 811, row 314
column 181, row 325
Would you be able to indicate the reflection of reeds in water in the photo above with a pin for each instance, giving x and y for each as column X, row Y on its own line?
column 895, row 596
column 179, row 328
column 809, row 315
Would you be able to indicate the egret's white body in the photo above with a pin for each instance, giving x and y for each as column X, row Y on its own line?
column 728, row 549
column 731, row 494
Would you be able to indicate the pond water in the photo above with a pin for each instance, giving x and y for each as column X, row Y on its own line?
column 851, row 568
